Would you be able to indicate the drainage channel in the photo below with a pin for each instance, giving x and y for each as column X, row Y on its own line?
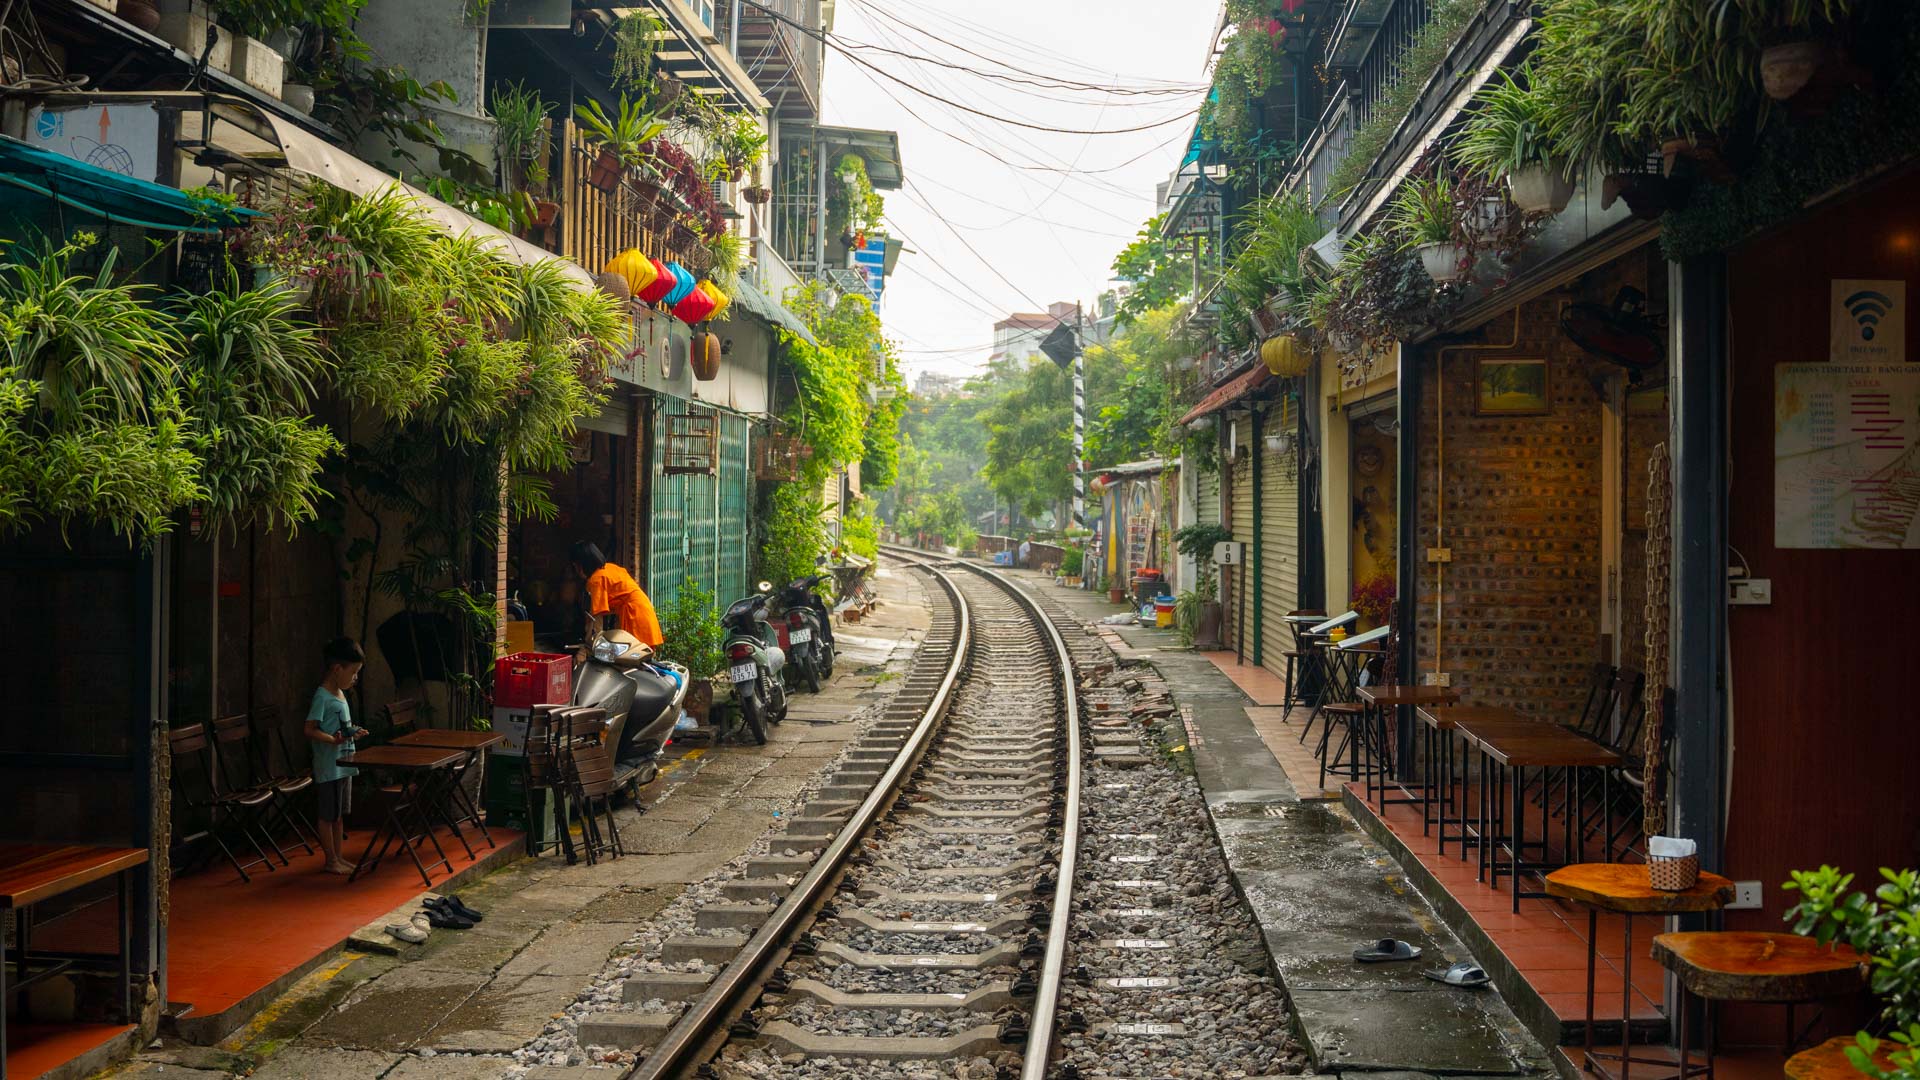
column 922, row 926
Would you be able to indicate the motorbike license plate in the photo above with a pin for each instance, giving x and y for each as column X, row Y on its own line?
column 800, row 636
column 744, row 673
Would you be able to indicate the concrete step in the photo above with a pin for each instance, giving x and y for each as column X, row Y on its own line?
column 711, row 949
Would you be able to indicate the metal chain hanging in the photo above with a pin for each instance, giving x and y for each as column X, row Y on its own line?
column 1659, row 586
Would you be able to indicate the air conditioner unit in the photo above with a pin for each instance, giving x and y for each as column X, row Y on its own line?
column 1229, row 553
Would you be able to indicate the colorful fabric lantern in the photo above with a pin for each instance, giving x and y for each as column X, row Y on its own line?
column 704, row 357
column 694, row 307
column 657, row 289
column 720, row 299
column 1284, row 356
column 635, row 267
column 683, row 284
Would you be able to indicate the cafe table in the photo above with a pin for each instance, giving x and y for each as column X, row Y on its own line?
column 1512, row 746
column 475, row 745
column 1755, row 967
column 1378, row 700
column 420, row 771
column 1625, row 890
column 32, row 873
column 1441, row 724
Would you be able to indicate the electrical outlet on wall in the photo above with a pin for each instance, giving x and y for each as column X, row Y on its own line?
column 1439, row 678
column 1746, row 896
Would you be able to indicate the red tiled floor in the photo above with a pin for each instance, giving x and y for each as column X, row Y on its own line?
column 1263, row 686
column 215, row 968
column 33, row 1049
column 1743, row 1064
column 1546, row 940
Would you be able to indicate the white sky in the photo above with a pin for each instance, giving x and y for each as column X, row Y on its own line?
column 1051, row 232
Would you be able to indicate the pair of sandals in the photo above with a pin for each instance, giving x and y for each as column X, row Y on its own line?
column 1465, row 974
column 436, row 913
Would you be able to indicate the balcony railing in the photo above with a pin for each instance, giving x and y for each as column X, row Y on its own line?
column 594, row 225
column 782, row 57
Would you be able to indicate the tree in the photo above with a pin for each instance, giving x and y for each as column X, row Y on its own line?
column 1162, row 275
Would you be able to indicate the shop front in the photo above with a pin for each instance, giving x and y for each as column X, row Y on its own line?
column 1359, row 424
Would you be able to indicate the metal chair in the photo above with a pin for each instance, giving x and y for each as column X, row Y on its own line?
column 197, row 786
column 233, row 765
column 283, row 777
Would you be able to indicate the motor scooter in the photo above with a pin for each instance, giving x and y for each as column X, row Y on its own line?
column 642, row 696
column 809, row 632
column 754, row 663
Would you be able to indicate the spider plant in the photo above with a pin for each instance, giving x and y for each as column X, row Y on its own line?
column 634, row 37
column 1423, row 213
column 520, row 126
column 1507, row 130
column 89, row 342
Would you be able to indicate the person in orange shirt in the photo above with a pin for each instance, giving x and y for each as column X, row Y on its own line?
column 611, row 590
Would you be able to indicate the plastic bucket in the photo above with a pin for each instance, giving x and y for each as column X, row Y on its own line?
column 1163, row 611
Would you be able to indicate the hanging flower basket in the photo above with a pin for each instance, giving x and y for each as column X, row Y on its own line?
column 1443, row 261
column 606, row 171
column 758, row 196
column 1540, row 188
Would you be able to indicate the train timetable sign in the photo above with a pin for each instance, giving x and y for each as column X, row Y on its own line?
column 1846, row 457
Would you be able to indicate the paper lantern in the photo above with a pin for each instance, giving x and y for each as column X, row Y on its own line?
column 694, row 307
column 635, row 267
column 612, row 284
column 704, row 357
column 657, row 289
column 721, row 300
column 683, row 284
column 1284, row 356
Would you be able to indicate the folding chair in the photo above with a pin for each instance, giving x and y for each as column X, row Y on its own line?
column 196, row 783
column 233, row 767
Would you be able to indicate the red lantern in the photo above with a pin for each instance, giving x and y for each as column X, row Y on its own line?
column 704, row 357
column 663, row 283
column 694, row 307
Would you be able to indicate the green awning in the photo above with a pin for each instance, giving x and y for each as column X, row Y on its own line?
column 108, row 195
column 770, row 311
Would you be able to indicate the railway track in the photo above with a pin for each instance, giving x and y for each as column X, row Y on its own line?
column 936, row 911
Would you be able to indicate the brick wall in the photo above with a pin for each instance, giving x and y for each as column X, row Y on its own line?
column 1523, row 594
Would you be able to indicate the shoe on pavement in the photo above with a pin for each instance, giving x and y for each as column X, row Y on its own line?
column 443, row 919
column 407, row 932
column 420, row 921
column 460, row 908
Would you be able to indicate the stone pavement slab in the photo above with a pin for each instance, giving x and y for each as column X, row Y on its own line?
column 505, row 1015
column 571, row 948
column 444, row 1067
column 396, row 1010
column 316, row 1063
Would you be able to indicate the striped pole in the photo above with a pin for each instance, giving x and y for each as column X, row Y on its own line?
column 1079, row 441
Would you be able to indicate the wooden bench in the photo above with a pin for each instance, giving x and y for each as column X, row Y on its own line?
column 32, row 873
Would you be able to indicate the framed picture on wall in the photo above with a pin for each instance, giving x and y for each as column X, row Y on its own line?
column 1511, row 387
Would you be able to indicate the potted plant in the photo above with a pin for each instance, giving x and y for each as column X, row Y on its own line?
column 1197, row 543
column 622, row 139
column 1506, row 137
column 1424, row 219
column 1885, row 930
column 757, row 195
column 144, row 14
column 691, row 626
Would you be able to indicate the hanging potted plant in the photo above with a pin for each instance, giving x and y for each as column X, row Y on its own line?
column 622, row 139
column 757, row 195
column 1506, row 137
column 1423, row 218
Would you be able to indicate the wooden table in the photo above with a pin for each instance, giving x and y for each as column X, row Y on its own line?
column 1828, row 1061
column 1625, row 889
column 1756, row 967
column 1378, row 699
column 475, row 744
column 1510, row 746
column 1442, row 723
column 420, row 769
column 31, row 873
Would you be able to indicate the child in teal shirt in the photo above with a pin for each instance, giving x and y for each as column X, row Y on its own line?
column 330, row 729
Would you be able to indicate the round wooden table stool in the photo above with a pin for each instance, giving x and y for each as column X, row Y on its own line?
column 1623, row 888
column 1758, row 968
column 1828, row 1061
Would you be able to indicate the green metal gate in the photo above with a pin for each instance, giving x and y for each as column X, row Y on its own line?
column 667, row 532
column 736, row 480
column 699, row 529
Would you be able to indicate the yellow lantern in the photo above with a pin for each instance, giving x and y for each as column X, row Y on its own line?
column 720, row 299
column 1284, row 356
column 635, row 267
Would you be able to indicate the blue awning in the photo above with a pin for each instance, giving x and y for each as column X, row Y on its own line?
column 769, row 310
column 108, row 195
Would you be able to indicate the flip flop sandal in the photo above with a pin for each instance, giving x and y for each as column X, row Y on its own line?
column 1465, row 974
column 460, row 908
column 442, row 919
column 407, row 932
column 1385, row 950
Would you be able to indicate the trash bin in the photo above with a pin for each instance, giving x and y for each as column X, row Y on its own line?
column 1148, row 584
column 1163, row 611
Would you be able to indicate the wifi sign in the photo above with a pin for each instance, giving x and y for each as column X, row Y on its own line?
column 1868, row 308
column 1868, row 321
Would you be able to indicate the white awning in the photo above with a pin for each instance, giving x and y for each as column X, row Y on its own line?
column 309, row 155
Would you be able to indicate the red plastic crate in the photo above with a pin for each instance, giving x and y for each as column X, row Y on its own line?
column 531, row 678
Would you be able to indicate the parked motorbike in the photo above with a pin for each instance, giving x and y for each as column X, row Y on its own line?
column 642, row 697
column 754, row 663
column 809, row 632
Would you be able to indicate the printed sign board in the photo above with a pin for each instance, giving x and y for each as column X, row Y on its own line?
column 1845, row 473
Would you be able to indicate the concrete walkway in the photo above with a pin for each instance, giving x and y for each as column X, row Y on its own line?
column 550, row 928
column 1319, row 887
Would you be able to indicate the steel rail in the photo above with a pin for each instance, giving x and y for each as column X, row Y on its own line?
column 675, row 1054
